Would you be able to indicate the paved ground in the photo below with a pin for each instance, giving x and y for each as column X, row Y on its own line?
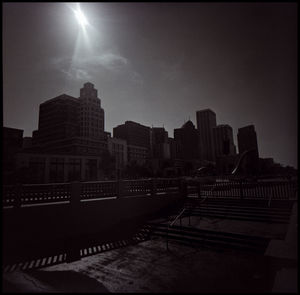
column 149, row 267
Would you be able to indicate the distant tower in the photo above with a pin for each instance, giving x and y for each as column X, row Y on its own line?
column 206, row 121
column 223, row 140
column 247, row 141
column 91, row 115
column 186, row 139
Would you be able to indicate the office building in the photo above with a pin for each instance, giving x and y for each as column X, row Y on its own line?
column 206, row 121
column 134, row 133
column 247, row 139
column 69, row 125
column 186, row 139
column 118, row 149
column 160, row 143
column 223, row 140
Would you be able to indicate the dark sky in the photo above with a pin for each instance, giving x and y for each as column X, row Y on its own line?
column 157, row 63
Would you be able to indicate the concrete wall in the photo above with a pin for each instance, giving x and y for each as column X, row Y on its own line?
column 33, row 230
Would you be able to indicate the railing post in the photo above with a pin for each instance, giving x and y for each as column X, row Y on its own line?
column 18, row 195
column 73, row 249
column 153, row 187
column 120, row 188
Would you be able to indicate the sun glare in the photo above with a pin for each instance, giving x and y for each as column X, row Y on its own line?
column 80, row 17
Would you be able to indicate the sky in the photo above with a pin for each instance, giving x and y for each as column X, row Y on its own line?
column 158, row 63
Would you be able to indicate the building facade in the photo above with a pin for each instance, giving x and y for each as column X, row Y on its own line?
column 187, row 142
column 57, row 168
column 247, row 139
column 160, row 143
column 69, row 125
column 206, row 121
column 247, row 142
column 134, row 133
column 223, row 141
column 118, row 149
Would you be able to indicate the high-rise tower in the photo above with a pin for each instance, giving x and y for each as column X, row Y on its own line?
column 206, row 121
column 223, row 140
column 91, row 115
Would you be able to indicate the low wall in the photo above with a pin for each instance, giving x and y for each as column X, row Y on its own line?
column 38, row 229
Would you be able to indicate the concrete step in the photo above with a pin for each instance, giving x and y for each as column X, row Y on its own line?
column 241, row 211
column 240, row 217
column 220, row 240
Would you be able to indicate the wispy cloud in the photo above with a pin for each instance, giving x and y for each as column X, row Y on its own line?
column 84, row 68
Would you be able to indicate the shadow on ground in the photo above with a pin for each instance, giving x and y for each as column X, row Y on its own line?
column 36, row 281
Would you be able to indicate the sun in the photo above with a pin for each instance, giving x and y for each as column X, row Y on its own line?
column 82, row 20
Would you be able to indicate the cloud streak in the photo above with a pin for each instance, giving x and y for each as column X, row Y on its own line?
column 87, row 67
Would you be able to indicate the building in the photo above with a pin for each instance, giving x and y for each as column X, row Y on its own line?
column 57, row 168
column 138, row 141
column 69, row 125
column 58, row 120
column 206, row 121
column 118, row 149
column 223, row 141
column 160, row 143
column 247, row 142
column 247, row 139
column 70, row 143
column 187, row 139
column 91, row 114
column 27, row 142
column 137, row 155
column 134, row 133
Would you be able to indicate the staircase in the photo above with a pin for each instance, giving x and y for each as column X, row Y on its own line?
column 247, row 210
column 237, row 209
column 220, row 241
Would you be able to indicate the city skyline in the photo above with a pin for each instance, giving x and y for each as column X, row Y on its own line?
column 160, row 84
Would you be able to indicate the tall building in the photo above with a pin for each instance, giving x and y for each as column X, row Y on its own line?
column 91, row 115
column 160, row 143
column 223, row 140
column 70, row 143
column 134, row 133
column 247, row 139
column 118, row 149
column 186, row 139
column 72, row 125
column 206, row 121
column 58, row 119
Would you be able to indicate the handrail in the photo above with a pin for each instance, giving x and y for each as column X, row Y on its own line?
column 172, row 223
column 179, row 216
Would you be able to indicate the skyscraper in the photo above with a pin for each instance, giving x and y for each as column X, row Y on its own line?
column 134, row 133
column 58, row 119
column 247, row 139
column 91, row 115
column 206, row 121
column 159, row 143
column 72, row 125
column 186, row 139
column 223, row 140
